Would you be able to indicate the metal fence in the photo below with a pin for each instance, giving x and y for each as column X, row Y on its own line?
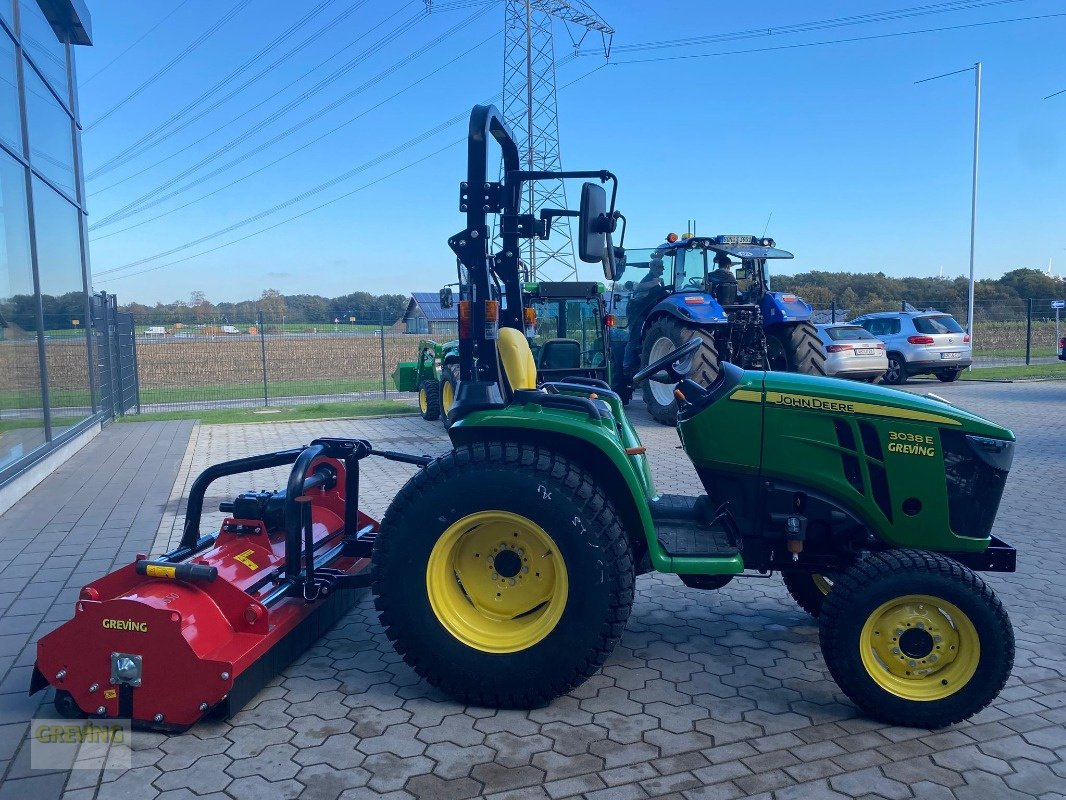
column 1006, row 332
column 220, row 362
column 264, row 361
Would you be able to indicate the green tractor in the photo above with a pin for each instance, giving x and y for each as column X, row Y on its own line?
column 434, row 375
column 567, row 328
column 504, row 571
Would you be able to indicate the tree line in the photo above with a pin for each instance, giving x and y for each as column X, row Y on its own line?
column 860, row 292
column 311, row 309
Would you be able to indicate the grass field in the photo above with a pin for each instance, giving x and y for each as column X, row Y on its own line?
column 254, row 391
column 1056, row 370
column 235, row 416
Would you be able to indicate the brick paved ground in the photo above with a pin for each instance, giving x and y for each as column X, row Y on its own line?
column 710, row 694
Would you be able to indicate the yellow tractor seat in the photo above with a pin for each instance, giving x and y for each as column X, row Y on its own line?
column 518, row 370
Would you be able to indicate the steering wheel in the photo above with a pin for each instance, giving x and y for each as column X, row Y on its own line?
column 677, row 364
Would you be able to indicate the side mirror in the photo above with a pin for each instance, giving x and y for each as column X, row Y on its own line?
column 592, row 227
column 446, row 297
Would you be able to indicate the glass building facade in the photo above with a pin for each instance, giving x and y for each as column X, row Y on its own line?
column 47, row 381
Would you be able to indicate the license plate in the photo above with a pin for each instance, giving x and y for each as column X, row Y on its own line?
column 865, row 351
column 950, row 355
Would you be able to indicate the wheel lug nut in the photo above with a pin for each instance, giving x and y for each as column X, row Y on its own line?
column 921, row 626
column 938, row 639
column 899, row 631
column 895, row 651
column 914, row 663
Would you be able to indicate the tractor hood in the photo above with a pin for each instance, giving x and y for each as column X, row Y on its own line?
column 836, row 396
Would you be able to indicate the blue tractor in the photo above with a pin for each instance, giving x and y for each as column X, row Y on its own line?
column 717, row 287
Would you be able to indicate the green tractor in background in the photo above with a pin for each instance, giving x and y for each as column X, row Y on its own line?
column 567, row 328
column 505, row 570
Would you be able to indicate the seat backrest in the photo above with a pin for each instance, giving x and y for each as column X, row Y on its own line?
column 560, row 354
column 725, row 292
column 517, row 368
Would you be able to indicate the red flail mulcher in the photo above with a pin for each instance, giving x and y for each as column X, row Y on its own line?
column 201, row 629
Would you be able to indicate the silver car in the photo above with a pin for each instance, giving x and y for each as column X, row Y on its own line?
column 851, row 351
column 920, row 343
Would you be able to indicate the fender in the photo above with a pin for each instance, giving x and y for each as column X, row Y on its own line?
column 627, row 478
column 693, row 308
column 777, row 307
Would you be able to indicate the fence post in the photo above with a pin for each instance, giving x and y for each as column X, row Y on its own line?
column 384, row 385
column 903, row 305
column 263, row 354
column 1028, row 331
column 833, row 306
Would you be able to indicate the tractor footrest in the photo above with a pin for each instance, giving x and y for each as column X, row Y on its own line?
column 679, row 507
column 679, row 539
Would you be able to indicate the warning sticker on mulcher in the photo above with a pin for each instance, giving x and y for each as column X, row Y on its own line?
column 158, row 571
column 245, row 559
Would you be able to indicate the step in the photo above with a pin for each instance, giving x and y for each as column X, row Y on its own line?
column 678, row 507
column 690, row 539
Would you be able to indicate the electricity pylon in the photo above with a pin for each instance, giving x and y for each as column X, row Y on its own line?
column 530, row 109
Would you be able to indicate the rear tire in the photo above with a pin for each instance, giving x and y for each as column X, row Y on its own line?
column 916, row 639
column 798, row 349
column 449, row 385
column 429, row 400
column 468, row 631
column 669, row 334
column 949, row 376
column 896, row 374
column 66, row 707
column 808, row 589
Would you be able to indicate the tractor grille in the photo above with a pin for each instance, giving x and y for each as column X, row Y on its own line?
column 976, row 471
column 851, row 459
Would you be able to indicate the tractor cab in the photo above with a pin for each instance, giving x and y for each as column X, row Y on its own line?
column 567, row 327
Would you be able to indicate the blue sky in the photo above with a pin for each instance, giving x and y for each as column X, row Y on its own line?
column 861, row 169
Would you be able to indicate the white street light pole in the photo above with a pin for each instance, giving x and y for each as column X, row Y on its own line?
column 973, row 194
column 973, row 201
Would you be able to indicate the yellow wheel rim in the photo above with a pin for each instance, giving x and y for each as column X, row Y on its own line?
column 920, row 647
column 496, row 582
column 821, row 583
column 447, row 396
column 423, row 400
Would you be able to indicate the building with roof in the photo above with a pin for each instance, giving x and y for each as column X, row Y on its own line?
column 425, row 316
column 49, row 395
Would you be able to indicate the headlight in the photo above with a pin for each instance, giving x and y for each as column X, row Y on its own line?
column 997, row 453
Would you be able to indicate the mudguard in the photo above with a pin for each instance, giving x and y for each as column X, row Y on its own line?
column 693, row 308
column 778, row 307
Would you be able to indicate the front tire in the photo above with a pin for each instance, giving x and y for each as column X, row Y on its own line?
column 429, row 400
column 916, row 639
column 796, row 348
column 503, row 575
column 449, row 385
column 665, row 335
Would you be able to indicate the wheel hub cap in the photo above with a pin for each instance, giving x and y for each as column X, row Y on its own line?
column 920, row 647
column 497, row 582
column 663, row 393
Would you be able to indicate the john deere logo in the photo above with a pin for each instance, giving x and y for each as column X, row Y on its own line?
column 126, row 625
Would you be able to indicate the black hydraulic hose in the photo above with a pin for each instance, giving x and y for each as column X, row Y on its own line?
column 191, row 532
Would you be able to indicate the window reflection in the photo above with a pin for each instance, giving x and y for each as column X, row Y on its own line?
column 10, row 126
column 39, row 40
column 51, row 134
column 21, row 415
column 63, row 300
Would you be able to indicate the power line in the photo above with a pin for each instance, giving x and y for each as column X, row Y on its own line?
column 806, row 27
column 314, row 141
column 895, row 34
column 186, row 118
column 152, row 197
column 259, row 104
column 136, row 42
column 236, row 9
column 1055, row 94
column 453, row 121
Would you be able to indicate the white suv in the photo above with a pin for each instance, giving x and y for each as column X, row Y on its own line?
column 920, row 343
